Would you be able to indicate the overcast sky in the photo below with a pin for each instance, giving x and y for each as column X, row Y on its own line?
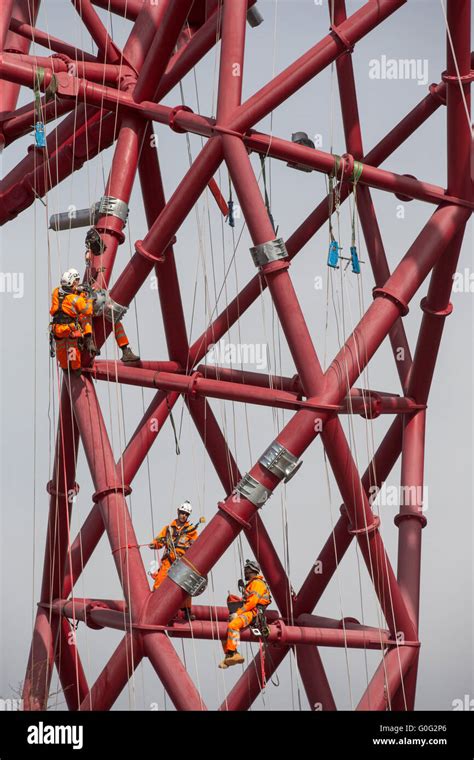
column 298, row 517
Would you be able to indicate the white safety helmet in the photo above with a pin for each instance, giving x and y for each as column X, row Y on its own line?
column 69, row 277
column 185, row 507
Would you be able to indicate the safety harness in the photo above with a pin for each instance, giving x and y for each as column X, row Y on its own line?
column 172, row 539
column 60, row 317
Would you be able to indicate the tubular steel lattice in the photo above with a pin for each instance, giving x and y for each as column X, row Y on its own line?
column 166, row 41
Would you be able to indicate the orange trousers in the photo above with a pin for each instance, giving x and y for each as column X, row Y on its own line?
column 120, row 335
column 68, row 354
column 159, row 577
column 67, row 349
column 243, row 620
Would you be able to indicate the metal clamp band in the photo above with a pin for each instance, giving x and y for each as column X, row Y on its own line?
column 110, row 206
column 264, row 253
column 113, row 311
column 123, row 490
column 280, row 461
column 187, row 578
column 252, row 490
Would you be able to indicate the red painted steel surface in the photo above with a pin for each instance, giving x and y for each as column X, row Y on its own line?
column 132, row 82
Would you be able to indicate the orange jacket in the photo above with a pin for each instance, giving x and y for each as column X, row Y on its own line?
column 177, row 538
column 73, row 304
column 256, row 592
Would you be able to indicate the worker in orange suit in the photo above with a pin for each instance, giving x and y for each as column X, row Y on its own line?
column 255, row 599
column 71, row 326
column 177, row 538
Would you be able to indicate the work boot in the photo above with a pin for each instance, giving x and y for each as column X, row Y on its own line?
column 231, row 658
column 128, row 355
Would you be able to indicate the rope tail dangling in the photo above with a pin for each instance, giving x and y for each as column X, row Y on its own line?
column 267, row 199
column 334, row 248
column 354, row 255
column 39, row 126
column 176, row 441
column 230, row 204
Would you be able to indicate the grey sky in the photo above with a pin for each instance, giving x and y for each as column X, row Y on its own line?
column 29, row 385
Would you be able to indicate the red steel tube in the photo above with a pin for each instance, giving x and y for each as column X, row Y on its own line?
column 414, row 119
column 229, row 475
column 44, row 39
column 128, row 465
column 107, row 49
column 6, row 8
column 234, row 22
column 410, row 519
column 70, row 670
column 109, row 493
column 61, row 487
column 301, row 71
column 387, row 679
column 115, row 675
column 172, row 672
column 129, row 9
column 24, row 11
column 167, row 276
column 95, row 72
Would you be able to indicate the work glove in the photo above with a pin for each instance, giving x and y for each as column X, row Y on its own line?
column 90, row 346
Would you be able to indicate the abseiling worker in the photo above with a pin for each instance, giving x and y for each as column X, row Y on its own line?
column 177, row 538
column 71, row 324
column 255, row 599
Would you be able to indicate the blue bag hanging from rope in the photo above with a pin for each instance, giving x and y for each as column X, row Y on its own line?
column 355, row 260
column 333, row 255
column 40, row 135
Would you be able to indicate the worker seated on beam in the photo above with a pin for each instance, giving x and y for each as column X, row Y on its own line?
column 71, row 326
column 177, row 538
column 96, row 247
column 251, row 610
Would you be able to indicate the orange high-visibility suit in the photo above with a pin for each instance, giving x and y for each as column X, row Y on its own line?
column 256, row 594
column 177, row 539
column 72, row 319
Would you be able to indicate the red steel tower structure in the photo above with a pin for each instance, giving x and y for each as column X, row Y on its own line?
column 166, row 41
